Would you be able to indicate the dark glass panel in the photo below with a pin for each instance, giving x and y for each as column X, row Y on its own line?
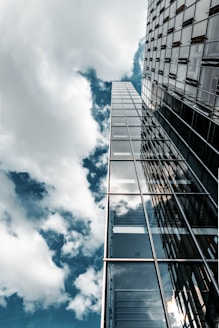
column 171, row 236
column 180, row 177
column 190, row 297
column 151, row 177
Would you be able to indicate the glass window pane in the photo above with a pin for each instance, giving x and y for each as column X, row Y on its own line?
column 117, row 112
column 199, row 28
column 190, row 297
column 201, row 10
column 184, row 53
column 151, row 177
column 186, row 35
column 171, row 237
column 116, row 106
column 135, row 132
column 128, row 236
column 118, row 120
column 130, row 112
column 211, row 49
column 213, row 27
column 123, row 177
column 121, row 150
column 189, row 13
column 134, row 286
column 181, row 73
column 119, row 132
column 133, row 121
column 209, row 83
column 180, row 177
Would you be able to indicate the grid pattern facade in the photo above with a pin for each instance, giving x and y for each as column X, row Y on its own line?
column 160, row 261
column 180, row 79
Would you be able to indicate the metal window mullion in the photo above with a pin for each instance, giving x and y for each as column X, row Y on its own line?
column 210, row 173
column 194, row 239
column 151, row 241
column 104, row 287
column 197, row 245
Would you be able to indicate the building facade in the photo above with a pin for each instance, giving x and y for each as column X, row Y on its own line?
column 180, row 79
column 161, row 242
column 160, row 261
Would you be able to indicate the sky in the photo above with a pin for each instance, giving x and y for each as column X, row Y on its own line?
column 57, row 61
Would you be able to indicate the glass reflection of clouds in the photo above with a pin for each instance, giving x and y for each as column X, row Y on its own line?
column 186, row 288
column 171, row 236
column 173, row 285
column 128, row 234
column 123, row 177
column 136, row 300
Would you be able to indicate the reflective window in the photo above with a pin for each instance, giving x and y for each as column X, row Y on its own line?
column 196, row 53
column 201, row 10
column 184, row 53
column 118, row 120
column 211, row 49
column 186, row 35
column 177, row 36
column 178, row 21
column 134, row 299
column 119, row 132
column 117, row 112
column 135, row 132
column 128, row 236
column 123, row 177
column 209, row 83
column 199, row 29
column 133, row 121
column 189, row 13
column 188, row 293
column 190, row 91
column 151, row 177
column 213, row 26
column 130, row 112
column 117, row 106
column 173, row 9
column 181, row 179
column 170, row 234
column 121, row 150
column 181, row 73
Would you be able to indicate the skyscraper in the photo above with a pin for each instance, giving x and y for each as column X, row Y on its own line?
column 161, row 243
column 180, row 83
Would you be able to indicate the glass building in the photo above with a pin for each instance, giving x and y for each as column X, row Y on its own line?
column 160, row 261
column 180, row 79
column 161, row 240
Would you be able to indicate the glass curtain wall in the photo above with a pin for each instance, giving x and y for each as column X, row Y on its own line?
column 160, row 261
column 181, row 79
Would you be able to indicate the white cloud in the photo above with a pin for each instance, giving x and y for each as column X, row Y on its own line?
column 89, row 298
column 56, row 223
column 73, row 241
column 99, row 34
column 27, row 268
column 46, row 127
